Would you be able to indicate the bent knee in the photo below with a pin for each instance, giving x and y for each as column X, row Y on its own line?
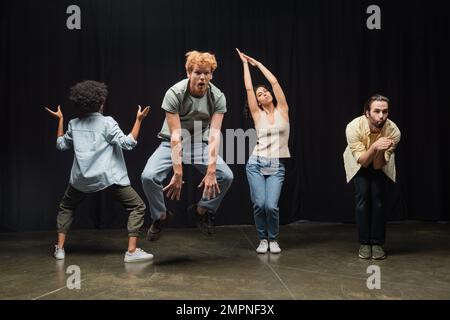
column 148, row 178
column 271, row 208
column 227, row 176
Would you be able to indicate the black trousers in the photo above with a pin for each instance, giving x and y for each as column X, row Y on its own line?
column 370, row 185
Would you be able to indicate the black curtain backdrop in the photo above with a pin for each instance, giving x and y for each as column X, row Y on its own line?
column 326, row 59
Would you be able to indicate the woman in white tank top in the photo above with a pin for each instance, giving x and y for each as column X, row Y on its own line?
column 265, row 171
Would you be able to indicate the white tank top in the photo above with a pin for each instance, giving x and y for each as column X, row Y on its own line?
column 272, row 138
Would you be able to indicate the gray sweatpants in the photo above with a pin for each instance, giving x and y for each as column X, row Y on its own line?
column 160, row 164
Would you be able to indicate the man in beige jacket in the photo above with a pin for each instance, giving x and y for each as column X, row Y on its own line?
column 369, row 161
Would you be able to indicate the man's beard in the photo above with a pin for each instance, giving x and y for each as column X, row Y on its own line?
column 380, row 125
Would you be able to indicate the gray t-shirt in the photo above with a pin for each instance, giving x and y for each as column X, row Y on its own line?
column 190, row 109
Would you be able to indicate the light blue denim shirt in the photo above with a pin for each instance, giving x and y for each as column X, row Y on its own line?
column 98, row 161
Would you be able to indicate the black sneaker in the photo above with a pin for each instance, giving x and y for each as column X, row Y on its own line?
column 154, row 232
column 204, row 222
column 211, row 222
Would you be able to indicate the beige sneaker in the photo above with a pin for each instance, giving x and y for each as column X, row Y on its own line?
column 378, row 252
column 365, row 251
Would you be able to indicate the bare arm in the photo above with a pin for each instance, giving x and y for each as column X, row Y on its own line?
column 173, row 121
column 58, row 114
column 214, row 140
column 375, row 153
column 60, row 130
column 251, row 98
column 137, row 124
column 211, row 187
column 174, row 187
column 367, row 157
column 379, row 160
column 277, row 90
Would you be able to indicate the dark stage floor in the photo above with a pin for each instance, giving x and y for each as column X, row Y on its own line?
column 319, row 261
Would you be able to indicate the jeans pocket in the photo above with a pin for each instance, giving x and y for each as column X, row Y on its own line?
column 269, row 169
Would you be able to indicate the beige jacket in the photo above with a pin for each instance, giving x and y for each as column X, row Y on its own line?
column 358, row 139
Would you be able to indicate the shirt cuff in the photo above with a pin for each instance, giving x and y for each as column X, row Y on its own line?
column 60, row 143
column 169, row 109
column 131, row 141
column 356, row 155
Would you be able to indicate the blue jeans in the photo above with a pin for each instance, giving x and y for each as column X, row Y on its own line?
column 160, row 164
column 265, row 177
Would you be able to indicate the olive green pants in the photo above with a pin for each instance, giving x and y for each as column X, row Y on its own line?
column 127, row 196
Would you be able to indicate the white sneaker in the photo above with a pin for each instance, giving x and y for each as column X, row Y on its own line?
column 274, row 247
column 59, row 253
column 263, row 246
column 137, row 255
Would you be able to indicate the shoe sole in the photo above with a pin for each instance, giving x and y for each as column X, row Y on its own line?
column 138, row 260
column 379, row 258
column 362, row 257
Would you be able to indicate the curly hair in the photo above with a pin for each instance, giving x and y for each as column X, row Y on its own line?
column 194, row 58
column 88, row 96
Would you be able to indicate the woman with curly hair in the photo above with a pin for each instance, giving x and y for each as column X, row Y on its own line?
column 98, row 162
column 265, row 167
